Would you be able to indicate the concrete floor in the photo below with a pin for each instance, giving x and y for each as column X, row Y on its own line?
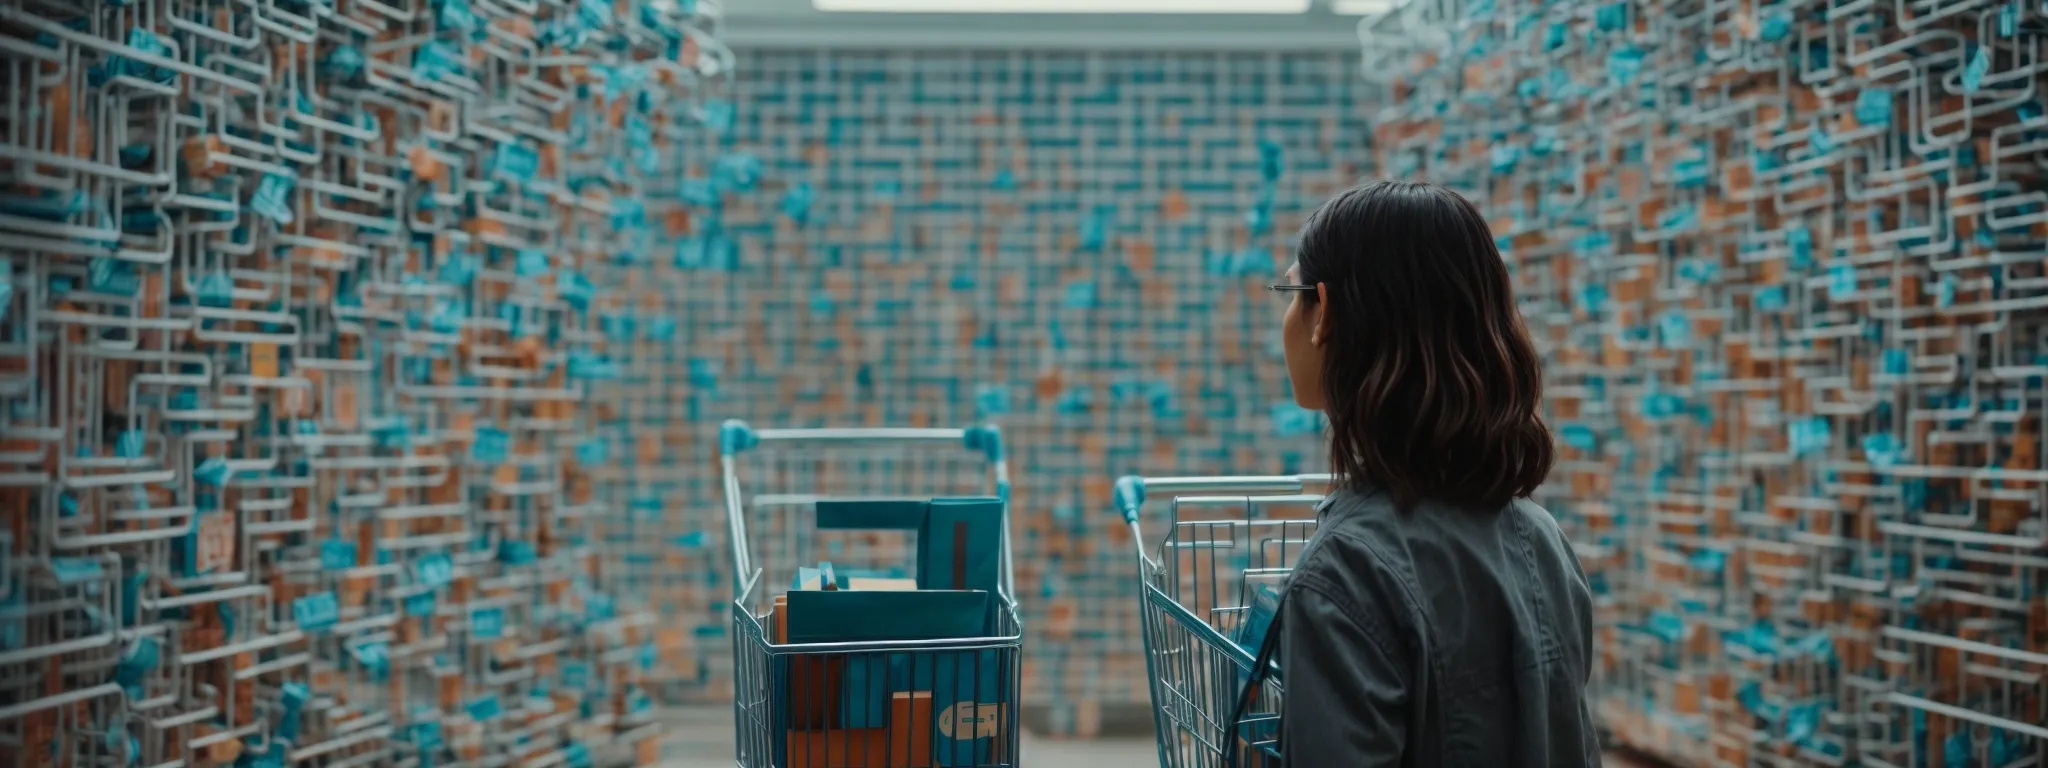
column 702, row 738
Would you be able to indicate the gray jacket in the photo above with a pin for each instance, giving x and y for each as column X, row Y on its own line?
column 1436, row 637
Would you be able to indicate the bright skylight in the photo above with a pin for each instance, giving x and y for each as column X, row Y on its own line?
column 1362, row 7
column 1067, row 6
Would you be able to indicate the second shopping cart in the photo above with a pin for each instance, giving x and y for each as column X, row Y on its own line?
column 873, row 611
column 1207, row 598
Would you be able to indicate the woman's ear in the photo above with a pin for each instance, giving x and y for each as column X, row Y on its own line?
column 1319, row 325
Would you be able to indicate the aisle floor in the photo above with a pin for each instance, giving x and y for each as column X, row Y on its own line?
column 702, row 738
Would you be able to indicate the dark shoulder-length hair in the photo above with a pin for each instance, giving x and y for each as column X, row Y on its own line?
column 1432, row 386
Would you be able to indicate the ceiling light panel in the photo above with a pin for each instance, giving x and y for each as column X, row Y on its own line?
column 1067, row 6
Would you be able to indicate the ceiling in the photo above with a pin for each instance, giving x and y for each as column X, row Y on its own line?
column 798, row 24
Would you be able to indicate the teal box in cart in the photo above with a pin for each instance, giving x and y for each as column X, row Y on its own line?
column 972, row 703
column 863, row 682
column 850, row 616
column 960, row 545
column 973, row 699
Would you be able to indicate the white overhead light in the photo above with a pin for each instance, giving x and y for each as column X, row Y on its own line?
column 1065, row 6
column 1362, row 7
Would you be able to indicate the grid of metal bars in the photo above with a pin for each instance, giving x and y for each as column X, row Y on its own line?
column 1785, row 261
column 334, row 351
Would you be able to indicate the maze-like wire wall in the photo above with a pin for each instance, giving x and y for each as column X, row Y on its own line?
column 1786, row 262
column 338, row 422
column 1073, row 246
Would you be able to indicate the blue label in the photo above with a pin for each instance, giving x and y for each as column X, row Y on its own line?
column 420, row 604
column 1775, row 27
column 718, row 115
column 1676, row 330
column 1578, row 436
column 592, row 452
column 271, row 200
column 492, row 446
column 576, row 676
column 130, row 445
column 1841, row 280
column 1808, row 435
column 1291, row 420
column 426, row 734
column 796, row 203
column 487, row 623
column 433, row 570
column 485, row 709
column 1818, row 139
column 517, row 553
column 1882, row 449
column 316, row 612
column 660, row 328
column 1080, row 295
column 1667, row 625
column 515, row 162
column 1897, row 361
column 1624, row 64
column 74, row 570
column 374, row 656
column 531, row 262
column 212, row 472
column 1770, row 298
column 1973, row 74
column 1874, row 106
column 337, row 554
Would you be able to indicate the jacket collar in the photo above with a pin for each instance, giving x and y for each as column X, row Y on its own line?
column 1351, row 499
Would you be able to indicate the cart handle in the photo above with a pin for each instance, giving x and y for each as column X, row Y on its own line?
column 1129, row 491
column 736, row 437
column 1128, row 495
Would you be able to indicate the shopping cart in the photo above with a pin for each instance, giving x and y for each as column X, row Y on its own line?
column 1206, row 600
column 942, row 703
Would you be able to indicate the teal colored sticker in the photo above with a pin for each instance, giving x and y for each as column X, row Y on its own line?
column 1808, row 435
column 337, row 554
column 1775, row 27
column 1676, row 330
column 1841, row 280
column 1883, row 449
column 485, row 709
column 271, row 200
column 314, row 613
column 1874, row 106
column 213, row 472
column 433, row 570
column 531, row 262
column 492, row 446
column 487, row 623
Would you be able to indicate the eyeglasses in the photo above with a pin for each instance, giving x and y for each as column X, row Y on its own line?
column 1289, row 291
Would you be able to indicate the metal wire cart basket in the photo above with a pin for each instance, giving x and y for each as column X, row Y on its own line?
column 1206, row 600
column 873, row 620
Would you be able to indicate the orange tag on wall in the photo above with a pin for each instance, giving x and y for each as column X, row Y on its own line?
column 263, row 361
column 295, row 401
column 345, row 406
column 1174, row 205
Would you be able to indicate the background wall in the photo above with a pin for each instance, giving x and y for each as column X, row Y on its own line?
column 1071, row 245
